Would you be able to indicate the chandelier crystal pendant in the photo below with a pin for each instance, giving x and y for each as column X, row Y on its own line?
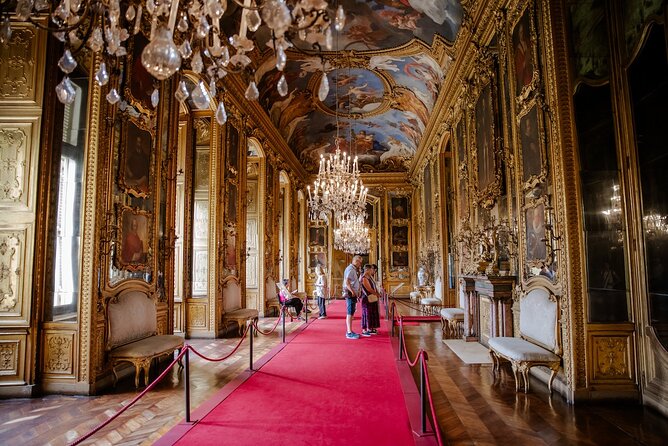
column 179, row 29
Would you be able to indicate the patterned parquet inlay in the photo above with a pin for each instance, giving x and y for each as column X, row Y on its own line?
column 473, row 406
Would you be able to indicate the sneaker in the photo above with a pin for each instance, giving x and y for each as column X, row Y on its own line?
column 373, row 332
column 322, row 317
column 366, row 333
column 352, row 336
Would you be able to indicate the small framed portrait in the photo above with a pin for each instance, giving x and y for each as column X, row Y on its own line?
column 231, row 205
column 523, row 57
column 317, row 236
column 232, row 143
column 140, row 83
column 533, row 160
column 400, row 235
column 400, row 259
column 536, row 247
column 368, row 220
column 317, row 259
column 399, row 208
column 231, row 254
column 135, row 162
column 484, row 138
column 134, row 243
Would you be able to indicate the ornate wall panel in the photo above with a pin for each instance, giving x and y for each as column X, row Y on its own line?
column 18, row 158
column 19, row 64
column 197, row 315
column 59, row 348
column 12, row 359
column 612, row 355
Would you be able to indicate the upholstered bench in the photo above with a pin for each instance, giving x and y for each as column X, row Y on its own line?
column 132, row 333
column 452, row 322
column 539, row 344
column 240, row 316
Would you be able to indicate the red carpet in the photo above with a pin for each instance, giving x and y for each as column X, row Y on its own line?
column 321, row 389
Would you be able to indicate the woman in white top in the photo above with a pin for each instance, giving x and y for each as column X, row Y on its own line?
column 321, row 291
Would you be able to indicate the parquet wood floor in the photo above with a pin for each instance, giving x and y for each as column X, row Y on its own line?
column 473, row 406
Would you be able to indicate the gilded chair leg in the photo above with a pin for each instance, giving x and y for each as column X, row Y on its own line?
column 137, row 371
column 525, row 375
column 552, row 375
column 113, row 370
column 517, row 377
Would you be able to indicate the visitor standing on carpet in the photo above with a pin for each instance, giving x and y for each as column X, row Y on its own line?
column 351, row 291
column 321, row 291
column 370, row 312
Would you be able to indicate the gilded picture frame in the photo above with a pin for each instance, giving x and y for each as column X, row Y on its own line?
column 524, row 52
column 134, row 243
column 462, row 171
column 135, row 166
column 530, row 126
column 399, row 259
column 317, row 236
column 485, row 147
column 535, row 235
column 140, row 84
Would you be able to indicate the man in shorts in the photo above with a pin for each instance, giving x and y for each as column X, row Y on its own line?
column 351, row 291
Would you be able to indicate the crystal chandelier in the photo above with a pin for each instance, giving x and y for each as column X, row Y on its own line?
column 352, row 235
column 338, row 189
column 183, row 34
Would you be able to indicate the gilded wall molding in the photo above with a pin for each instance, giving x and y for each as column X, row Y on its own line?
column 89, row 242
column 567, row 198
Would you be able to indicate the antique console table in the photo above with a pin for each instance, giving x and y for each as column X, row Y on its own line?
column 487, row 307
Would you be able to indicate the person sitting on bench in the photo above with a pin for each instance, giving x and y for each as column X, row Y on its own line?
column 289, row 300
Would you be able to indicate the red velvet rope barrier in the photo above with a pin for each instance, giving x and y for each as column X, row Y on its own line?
column 162, row 375
column 135, row 399
column 278, row 319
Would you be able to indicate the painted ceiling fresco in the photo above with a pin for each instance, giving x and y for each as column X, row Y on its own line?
column 383, row 85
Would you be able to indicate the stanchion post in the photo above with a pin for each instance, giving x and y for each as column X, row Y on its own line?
column 392, row 321
column 283, row 331
column 250, row 332
column 187, row 384
column 306, row 309
column 423, row 395
column 401, row 338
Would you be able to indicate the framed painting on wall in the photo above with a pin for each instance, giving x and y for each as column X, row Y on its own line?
column 484, row 137
column 399, row 235
column 134, row 172
column 534, row 166
column 140, row 83
column 400, row 259
column 536, row 247
column 399, row 208
column 134, row 244
column 317, row 258
column 317, row 236
column 523, row 55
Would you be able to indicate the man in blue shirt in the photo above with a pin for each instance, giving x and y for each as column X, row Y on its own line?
column 351, row 291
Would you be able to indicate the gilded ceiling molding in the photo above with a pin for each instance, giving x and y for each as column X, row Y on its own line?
column 235, row 90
